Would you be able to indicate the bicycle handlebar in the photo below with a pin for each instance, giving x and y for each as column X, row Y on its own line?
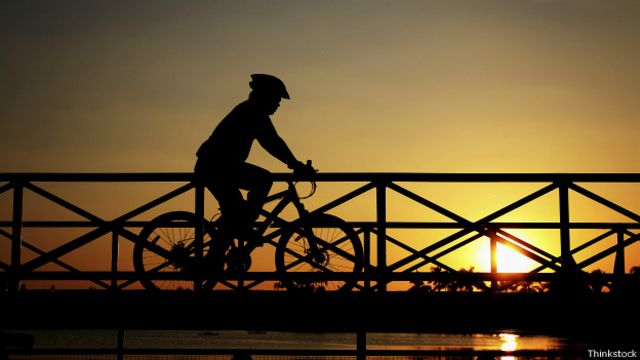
column 307, row 174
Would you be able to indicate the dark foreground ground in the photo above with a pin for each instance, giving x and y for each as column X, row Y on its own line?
column 602, row 316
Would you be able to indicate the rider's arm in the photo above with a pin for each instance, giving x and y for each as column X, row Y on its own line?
column 272, row 142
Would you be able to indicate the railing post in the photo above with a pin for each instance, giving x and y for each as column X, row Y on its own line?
column 493, row 246
column 361, row 343
column 619, row 263
column 568, row 263
column 199, row 230
column 120, row 343
column 367, row 257
column 115, row 250
column 16, row 236
column 381, row 223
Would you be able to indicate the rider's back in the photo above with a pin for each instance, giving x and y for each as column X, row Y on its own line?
column 231, row 140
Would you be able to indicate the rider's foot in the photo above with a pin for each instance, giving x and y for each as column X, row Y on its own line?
column 251, row 236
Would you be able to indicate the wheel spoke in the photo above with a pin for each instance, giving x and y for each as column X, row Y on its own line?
column 167, row 244
column 327, row 245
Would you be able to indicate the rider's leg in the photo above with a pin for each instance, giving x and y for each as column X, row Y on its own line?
column 232, row 208
column 258, row 182
column 225, row 182
column 232, row 204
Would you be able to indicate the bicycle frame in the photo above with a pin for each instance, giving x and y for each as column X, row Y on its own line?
column 286, row 197
column 232, row 254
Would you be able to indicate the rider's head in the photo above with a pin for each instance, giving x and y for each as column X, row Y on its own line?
column 267, row 91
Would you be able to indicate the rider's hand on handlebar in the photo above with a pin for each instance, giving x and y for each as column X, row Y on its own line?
column 304, row 170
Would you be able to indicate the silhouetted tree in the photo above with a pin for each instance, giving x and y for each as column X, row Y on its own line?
column 440, row 284
column 633, row 282
column 528, row 287
column 279, row 286
column 467, row 282
column 597, row 281
column 418, row 286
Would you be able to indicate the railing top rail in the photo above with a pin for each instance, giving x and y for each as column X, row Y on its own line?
column 334, row 177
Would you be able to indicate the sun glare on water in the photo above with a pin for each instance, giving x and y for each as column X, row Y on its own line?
column 509, row 343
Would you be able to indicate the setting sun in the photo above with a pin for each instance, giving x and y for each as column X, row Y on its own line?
column 510, row 261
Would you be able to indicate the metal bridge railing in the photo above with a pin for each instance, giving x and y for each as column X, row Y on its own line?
column 422, row 262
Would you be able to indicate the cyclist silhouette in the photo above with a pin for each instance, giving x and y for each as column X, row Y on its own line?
column 221, row 165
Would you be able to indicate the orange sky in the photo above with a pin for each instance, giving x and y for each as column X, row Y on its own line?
column 407, row 86
column 417, row 86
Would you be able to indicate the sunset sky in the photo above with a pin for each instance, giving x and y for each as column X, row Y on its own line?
column 414, row 86
column 391, row 86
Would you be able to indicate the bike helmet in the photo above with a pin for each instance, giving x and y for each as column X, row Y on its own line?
column 268, row 83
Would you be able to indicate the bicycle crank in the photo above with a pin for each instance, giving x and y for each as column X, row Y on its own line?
column 238, row 260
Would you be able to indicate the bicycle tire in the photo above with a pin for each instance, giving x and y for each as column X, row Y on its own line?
column 168, row 231
column 342, row 252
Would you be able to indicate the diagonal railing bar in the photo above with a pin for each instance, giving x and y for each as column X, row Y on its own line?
column 509, row 208
column 6, row 187
column 431, row 205
column 527, row 253
column 305, row 259
column 134, row 238
column 276, row 196
column 65, row 249
column 446, row 251
column 69, row 206
column 5, row 234
column 458, row 218
column 4, row 266
column 228, row 284
column 64, row 203
column 118, row 226
column 61, row 263
column 475, row 226
column 150, row 205
column 283, row 224
column 129, row 282
column 425, row 258
column 611, row 250
column 575, row 250
column 100, row 231
column 526, row 245
column 343, row 199
column 287, row 226
column 593, row 241
column 444, row 242
column 309, row 256
column 484, row 232
column 605, row 202
column 626, row 231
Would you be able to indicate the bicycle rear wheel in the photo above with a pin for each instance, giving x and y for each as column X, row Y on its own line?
column 338, row 250
column 166, row 248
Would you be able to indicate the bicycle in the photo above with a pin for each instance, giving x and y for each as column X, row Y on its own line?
column 312, row 242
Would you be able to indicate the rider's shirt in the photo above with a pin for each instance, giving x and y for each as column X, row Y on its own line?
column 230, row 142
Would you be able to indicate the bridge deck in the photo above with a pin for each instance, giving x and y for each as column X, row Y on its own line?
column 593, row 315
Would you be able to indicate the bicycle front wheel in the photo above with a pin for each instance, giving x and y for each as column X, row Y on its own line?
column 320, row 243
column 166, row 250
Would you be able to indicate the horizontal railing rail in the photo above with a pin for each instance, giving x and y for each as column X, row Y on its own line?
column 335, row 177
